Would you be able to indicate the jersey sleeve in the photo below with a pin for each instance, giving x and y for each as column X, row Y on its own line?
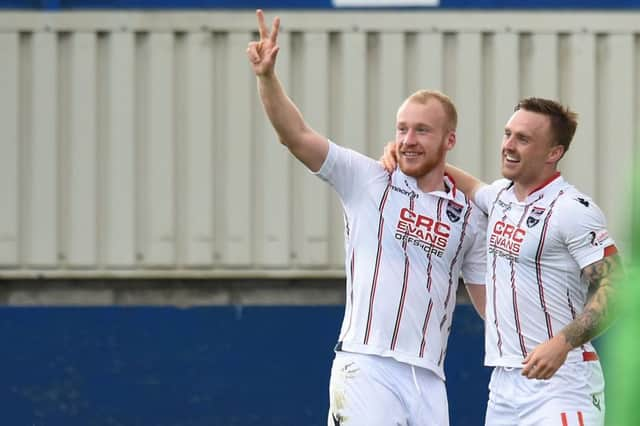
column 587, row 237
column 474, row 264
column 347, row 170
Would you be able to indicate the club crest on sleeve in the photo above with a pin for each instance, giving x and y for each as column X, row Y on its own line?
column 454, row 210
column 534, row 216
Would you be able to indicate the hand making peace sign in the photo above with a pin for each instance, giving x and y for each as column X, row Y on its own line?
column 262, row 54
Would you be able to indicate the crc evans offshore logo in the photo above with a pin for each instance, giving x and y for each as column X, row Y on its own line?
column 506, row 240
column 422, row 231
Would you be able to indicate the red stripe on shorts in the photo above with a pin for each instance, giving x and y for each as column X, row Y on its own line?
column 563, row 416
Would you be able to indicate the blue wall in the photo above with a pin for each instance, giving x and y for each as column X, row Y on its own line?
column 199, row 366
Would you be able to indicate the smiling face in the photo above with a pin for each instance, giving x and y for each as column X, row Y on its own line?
column 529, row 153
column 423, row 137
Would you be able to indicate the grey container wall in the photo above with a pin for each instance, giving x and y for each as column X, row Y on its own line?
column 134, row 144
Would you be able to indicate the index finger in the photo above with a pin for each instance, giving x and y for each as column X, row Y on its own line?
column 274, row 30
column 261, row 25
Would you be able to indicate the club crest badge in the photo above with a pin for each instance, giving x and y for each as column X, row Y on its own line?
column 534, row 216
column 454, row 210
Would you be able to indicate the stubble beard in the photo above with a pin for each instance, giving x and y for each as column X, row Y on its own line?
column 429, row 163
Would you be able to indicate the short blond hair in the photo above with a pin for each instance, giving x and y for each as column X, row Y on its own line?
column 424, row 96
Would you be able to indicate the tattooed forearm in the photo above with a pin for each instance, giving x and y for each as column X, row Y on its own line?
column 602, row 277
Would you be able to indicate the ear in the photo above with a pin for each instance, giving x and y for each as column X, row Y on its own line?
column 555, row 154
column 451, row 140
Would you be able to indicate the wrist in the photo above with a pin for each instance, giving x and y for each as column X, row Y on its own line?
column 266, row 76
column 564, row 340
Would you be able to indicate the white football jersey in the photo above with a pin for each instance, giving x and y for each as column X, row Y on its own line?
column 405, row 251
column 536, row 250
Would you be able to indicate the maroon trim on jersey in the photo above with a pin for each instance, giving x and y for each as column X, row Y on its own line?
column 493, row 205
column 405, row 284
column 570, row 305
column 545, row 183
column 463, row 233
column 516, row 314
column 429, row 269
column 352, row 270
column 374, row 283
column 572, row 309
column 427, row 317
column 428, row 314
column 453, row 182
column 494, row 303
column 424, row 328
column 586, row 355
column 443, row 350
column 514, row 293
column 494, row 277
column 440, row 208
column 352, row 265
column 403, row 295
column 346, row 224
column 429, row 256
column 538, row 263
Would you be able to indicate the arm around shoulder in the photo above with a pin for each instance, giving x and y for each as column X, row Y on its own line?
column 466, row 182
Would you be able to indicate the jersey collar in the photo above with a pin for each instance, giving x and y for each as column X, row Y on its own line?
column 411, row 183
column 551, row 184
column 545, row 184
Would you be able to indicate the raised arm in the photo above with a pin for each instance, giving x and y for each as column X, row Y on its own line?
column 304, row 143
column 603, row 277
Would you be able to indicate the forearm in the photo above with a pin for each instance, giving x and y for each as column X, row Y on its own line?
column 285, row 117
column 303, row 142
column 466, row 182
column 591, row 322
column 598, row 312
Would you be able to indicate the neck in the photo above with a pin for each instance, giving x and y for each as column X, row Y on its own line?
column 432, row 181
column 523, row 190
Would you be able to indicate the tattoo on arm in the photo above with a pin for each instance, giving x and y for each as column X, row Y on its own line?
column 602, row 277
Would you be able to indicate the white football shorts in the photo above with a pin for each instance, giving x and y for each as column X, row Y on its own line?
column 574, row 396
column 370, row 390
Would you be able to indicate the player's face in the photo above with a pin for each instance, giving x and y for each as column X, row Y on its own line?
column 527, row 147
column 422, row 137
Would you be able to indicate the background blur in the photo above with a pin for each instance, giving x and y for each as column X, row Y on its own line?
column 165, row 262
